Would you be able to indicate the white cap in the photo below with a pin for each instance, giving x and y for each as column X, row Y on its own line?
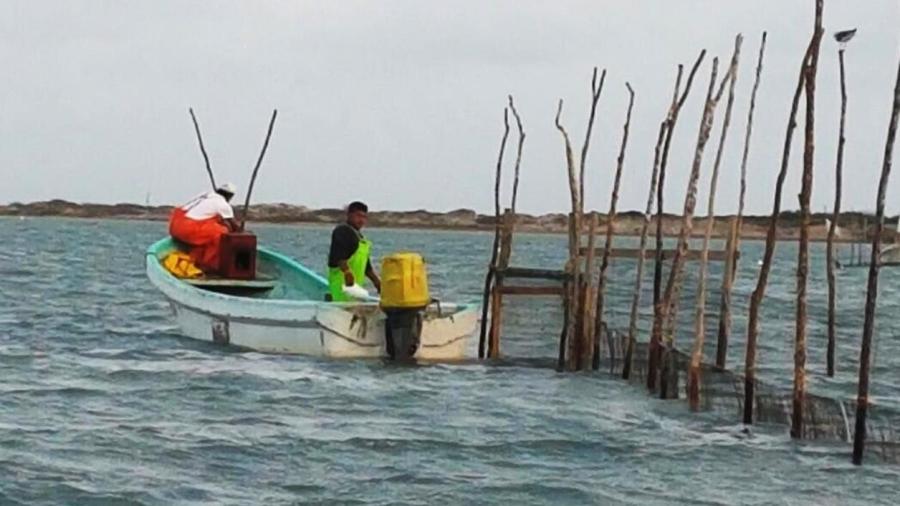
column 228, row 188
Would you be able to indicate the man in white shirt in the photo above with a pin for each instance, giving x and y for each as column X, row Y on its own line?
column 201, row 223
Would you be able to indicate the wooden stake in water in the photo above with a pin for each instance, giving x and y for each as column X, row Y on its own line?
column 690, row 202
column 610, row 230
column 672, row 119
column 735, row 244
column 574, row 341
column 700, row 309
column 865, row 352
column 768, row 255
column 639, row 277
column 489, row 277
column 799, row 394
column 835, row 215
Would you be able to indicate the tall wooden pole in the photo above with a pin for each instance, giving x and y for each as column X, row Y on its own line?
column 690, row 202
column 771, row 236
column 654, row 348
column 574, row 245
column 799, row 394
column 700, row 309
column 589, row 345
column 735, row 244
column 259, row 160
column 865, row 351
column 610, row 230
column 638, row 282
column 489, row 277
column 589, row 295
column 835, row 215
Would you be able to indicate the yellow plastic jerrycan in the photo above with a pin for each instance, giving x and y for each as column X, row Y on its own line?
column 404, row 282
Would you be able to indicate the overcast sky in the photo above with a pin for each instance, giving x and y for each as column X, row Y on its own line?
column 400, row 103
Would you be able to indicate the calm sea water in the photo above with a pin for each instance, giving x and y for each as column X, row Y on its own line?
column 101, row 401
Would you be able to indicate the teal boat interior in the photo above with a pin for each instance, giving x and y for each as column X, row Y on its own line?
column 278, row 277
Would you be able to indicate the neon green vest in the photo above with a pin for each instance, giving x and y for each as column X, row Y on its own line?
column 357, row 263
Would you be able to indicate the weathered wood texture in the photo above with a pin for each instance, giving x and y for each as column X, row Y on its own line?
column 694, row 371
column 610, row 230
column 735, row 237
column 492, row 266
column 803, row 253
column 665, row 305
column 768, row 255
column 671, row 121
column 832, row 228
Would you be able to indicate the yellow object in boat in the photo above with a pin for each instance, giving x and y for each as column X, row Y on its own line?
column 404, row 282
column 180, row 265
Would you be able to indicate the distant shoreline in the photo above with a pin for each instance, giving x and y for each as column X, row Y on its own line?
column 853, row 226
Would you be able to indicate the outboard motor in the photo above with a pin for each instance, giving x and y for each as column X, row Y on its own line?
column 404, row 298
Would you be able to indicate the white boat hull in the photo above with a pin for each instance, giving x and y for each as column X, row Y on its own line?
column 328, row 332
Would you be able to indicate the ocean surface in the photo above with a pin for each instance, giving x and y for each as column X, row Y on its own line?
column 102, row 402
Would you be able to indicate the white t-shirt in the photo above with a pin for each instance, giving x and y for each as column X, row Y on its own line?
column 208, row 205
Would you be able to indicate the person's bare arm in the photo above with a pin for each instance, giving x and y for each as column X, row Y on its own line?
column 373, row 277
column 348, row 274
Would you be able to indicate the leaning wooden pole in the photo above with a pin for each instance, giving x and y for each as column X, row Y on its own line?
column 589, row 294
column 489, row 277
column 588, row 343
column 259, row 160
column 610, row 230
column 735, row 244
column 653, row 351
column 596, row 90
column 865, row 351
column 768, row 255
column 645, row 226
column 212, row 178
column 832, row 228
column 799, row 394
column 690, row 202
column 574, row 341
column 515, row 189
column 700, row 309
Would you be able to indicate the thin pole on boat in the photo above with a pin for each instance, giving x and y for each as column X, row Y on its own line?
column 256, row 168
column 212, row 179
column 865, row 352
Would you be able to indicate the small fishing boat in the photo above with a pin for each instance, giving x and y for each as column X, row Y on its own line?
column 283, row 310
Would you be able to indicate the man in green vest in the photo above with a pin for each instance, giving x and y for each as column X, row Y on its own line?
column 348, row 258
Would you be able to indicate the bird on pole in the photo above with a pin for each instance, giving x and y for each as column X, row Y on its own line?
column 844, row 36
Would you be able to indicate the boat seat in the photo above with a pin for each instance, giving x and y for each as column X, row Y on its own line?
column 259, row 284
column 255, row 288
